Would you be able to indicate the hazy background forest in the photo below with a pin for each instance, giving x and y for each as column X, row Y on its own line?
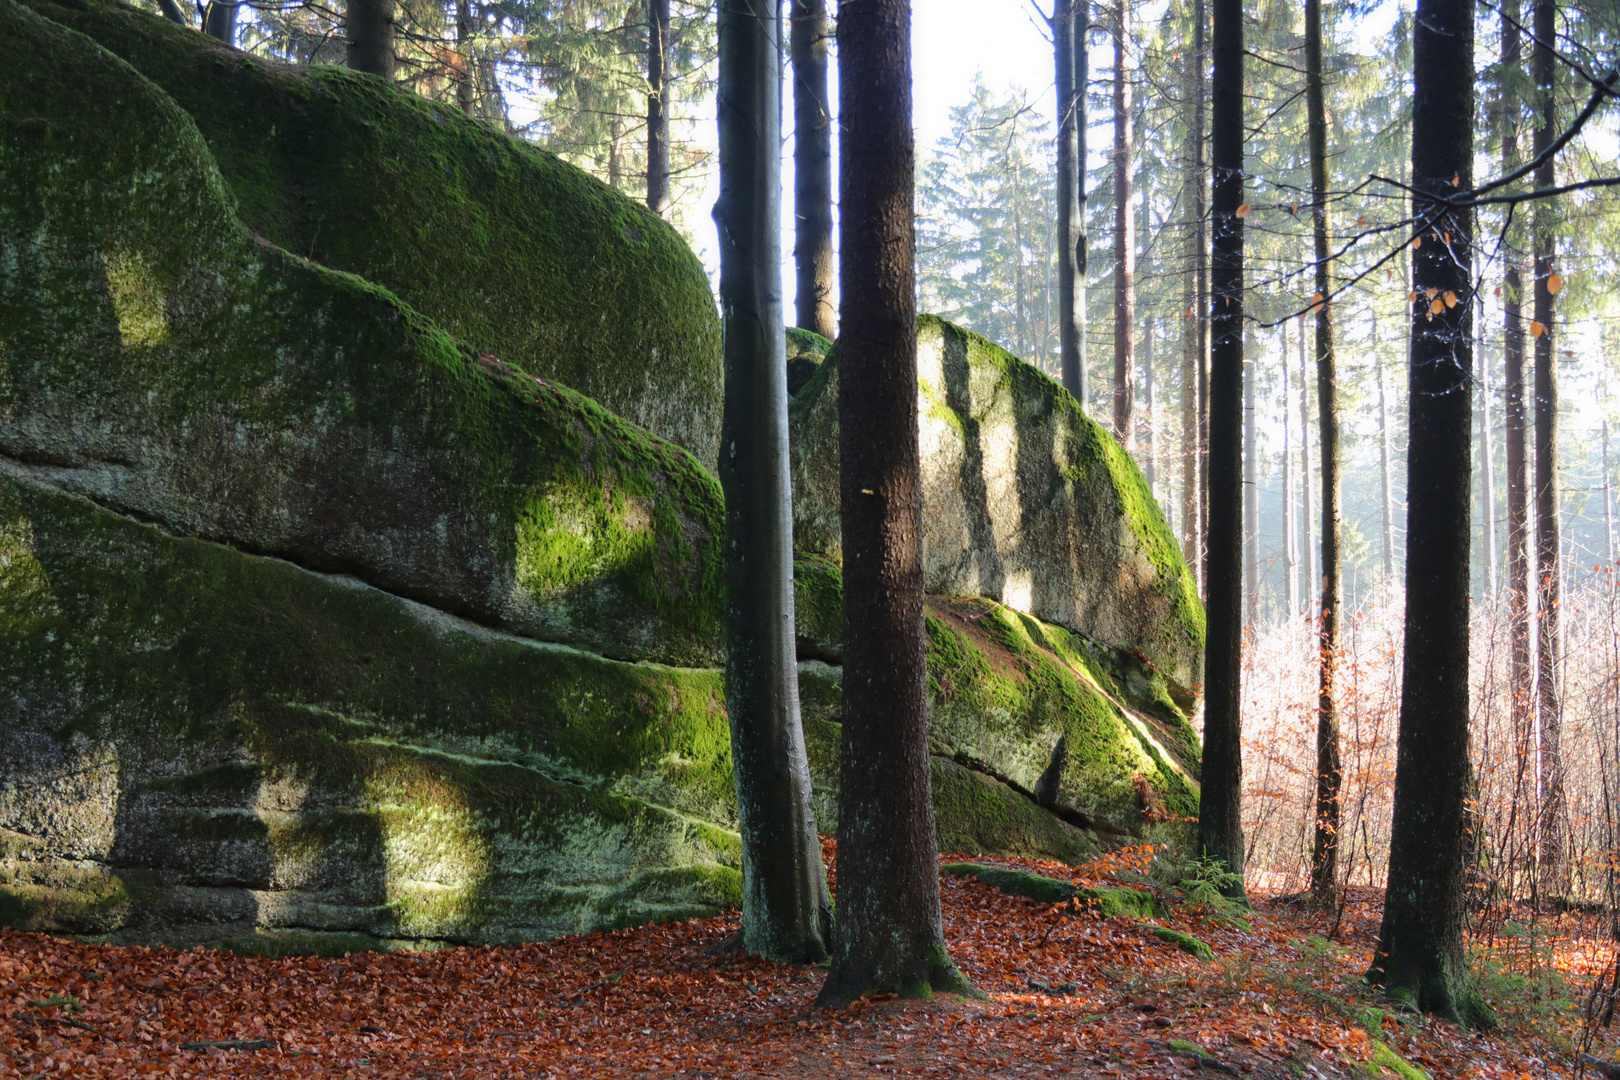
column 571, row 76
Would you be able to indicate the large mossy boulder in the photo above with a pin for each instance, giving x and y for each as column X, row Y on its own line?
column 1026, row 502
column 503, row 245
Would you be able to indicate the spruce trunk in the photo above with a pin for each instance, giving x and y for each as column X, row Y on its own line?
column 1069, row 56
column 812, row 170
column 658, row 107
column 889, row 937
column 1124, row 237
column 369, row 25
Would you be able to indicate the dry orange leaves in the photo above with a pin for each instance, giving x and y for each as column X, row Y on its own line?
column 664, row 1001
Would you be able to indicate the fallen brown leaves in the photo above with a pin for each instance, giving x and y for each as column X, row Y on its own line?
column 665, row 1001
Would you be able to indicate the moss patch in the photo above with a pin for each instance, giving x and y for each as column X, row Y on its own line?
column 1185, row 942
column 504, row 245
column 1106, row 903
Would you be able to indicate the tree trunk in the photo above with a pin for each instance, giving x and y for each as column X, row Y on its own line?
column 1251, row 497
column 1220, row 822
column 466, row 84
column 1487, row 453
column 1192, row 529
column 1069, row 21
column 1201, row 272
column 1515, row 427
column 172, row 12
column 785, row 905
column 1420, row 953
column 1151, row 456
column 1307, row 531
column 1290, row 522
column 888, row 935
column 1553, row 859
column 1608, row 483
column 658, row 107
column 1387, row 494
column 1124, row 236
column 812, row 170
column 1329, row 768
column 219, row 22
column 369, row 25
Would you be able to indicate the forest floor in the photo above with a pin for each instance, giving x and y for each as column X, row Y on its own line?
column 1279, row 998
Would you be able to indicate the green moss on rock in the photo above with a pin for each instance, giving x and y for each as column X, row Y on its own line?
column 1106, row 903
column 502, row 244
column 1185, row 942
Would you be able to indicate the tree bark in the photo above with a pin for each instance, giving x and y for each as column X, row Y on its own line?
column 1515, row 425
column 1201, row 273
column 1192, row 456
column 1124, row 236
column 1307, row 530
column 1290, row 522
column 172, row 12
column 466, row 83
column 1329, row 767
column 1386, row 494
column 785, row 904
column 1551, row 846
column 658, row 107
column 888, row 935
column 812, row 170
column 1420, row 953
column 369, row 26
column 1220, row 822
column 219, row 22
column 1069, row 21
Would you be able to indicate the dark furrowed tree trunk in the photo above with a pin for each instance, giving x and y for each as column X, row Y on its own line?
column 1220, row 823
column 219, row 22
column 785, row 904
column 1551, row 846
column 369, row 27
column 1069, row 21
column 888, row 935
column 658, row 107
column 1329, row 769
column 812, row 170
column 1515, row 429
column 1124, row 236
column 1201, row 273
column 1420, row 953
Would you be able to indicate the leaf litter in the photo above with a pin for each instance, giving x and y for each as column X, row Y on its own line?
column 1068, row 993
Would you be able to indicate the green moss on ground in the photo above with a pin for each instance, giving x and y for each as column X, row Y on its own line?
column 502, row 244
column 1185, row 942
column 1384, row 1058
column 1107, row 903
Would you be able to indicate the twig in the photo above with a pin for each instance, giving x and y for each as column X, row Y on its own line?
column 230, row 1044
column 64, row 1021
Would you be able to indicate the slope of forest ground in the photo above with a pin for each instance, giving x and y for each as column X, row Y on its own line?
column 1067, row 994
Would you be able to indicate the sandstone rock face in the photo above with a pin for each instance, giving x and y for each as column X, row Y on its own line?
column 1025, row 501
column 500, row 243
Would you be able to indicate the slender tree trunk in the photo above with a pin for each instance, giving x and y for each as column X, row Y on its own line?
column 1192, row 455
column 369, row 25
column 889, row 937
column 1487, row 452
column 1251, row 496
column 1420, row 953
column 465, row 81
column 1148, row 436
column 812, row 169
column 1020, row 307
column 219, row 22
column 1124, row 235
column 1387, row 494
column 1515, row 421
column 1220, row 820
column 1069, row 21
column 658, row 107
column 1308, row 523
column 172, row 12
column 1201, row 271
column 1290, row 522
column 1553, row 846
column 1329, row 768
column 785, row 904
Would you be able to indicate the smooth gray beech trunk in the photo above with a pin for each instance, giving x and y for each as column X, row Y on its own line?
column 1421, row 956
column 1220, row 819
column 786, row 913
column 658, row 107
column 889, row 936
column 812, row 169
column 369, row 27
column 1329, row 766
column 1069, row 20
